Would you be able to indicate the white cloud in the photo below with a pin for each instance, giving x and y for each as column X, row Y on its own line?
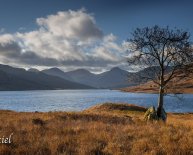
column 71, row 25
column 68, row 38
column 6, row 38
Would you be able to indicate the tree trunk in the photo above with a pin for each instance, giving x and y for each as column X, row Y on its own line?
column 161, row 95
column 160, row 102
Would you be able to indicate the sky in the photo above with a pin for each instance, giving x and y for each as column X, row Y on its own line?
column 74, row 34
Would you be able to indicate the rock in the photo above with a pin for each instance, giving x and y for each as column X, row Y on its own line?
column 151, row 114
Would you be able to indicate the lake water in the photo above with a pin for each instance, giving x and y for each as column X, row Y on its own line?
column 76, row 100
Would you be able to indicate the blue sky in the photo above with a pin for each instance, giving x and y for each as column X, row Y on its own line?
column 117, row 16
column 112, row 18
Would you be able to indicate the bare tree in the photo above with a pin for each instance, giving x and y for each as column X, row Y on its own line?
column 165, row 52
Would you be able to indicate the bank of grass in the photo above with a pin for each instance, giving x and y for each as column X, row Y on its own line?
column 107, row 129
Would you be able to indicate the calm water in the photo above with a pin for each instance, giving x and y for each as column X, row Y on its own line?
column 75, row 100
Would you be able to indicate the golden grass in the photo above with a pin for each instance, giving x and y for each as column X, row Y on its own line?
column 108, row 129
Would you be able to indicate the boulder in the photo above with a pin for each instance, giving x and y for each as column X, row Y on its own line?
column 151, row 114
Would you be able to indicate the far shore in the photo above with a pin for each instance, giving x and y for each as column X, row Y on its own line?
column 142, row 89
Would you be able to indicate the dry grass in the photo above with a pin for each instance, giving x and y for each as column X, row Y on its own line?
column 109, row 129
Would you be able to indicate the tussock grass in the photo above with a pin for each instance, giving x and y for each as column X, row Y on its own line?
column 107, row 129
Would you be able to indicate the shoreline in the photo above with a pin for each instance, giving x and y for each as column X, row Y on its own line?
column 139, row 90
column 89, row 109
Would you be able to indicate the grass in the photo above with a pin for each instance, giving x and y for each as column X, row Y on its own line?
column 107, row 129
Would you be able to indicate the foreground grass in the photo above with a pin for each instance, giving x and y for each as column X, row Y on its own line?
column 108, row 129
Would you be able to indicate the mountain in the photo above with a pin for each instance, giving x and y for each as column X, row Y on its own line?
column 56, row 72
column 80, row 76
column 33, row 70
column 83, row 76
column 115, row 78
column 19, row 79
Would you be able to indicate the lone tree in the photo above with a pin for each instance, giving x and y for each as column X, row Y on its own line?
column 165, row 52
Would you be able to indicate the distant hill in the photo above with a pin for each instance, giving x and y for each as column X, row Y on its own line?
column 177, row 85
column 19, row 79
column 115, row 78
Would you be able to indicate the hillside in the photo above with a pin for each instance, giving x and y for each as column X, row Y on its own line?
column 105, row 129
column 19, row 79
column 177, row 85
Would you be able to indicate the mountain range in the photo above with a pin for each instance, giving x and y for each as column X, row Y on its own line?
column 12, row 78
column 50, row 79
column 19, row 79
column 112, row 79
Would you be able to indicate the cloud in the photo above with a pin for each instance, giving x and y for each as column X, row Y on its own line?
column 69, row 38
column 71, row 25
